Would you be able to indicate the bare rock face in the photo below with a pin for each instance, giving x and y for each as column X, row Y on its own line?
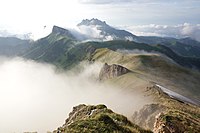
column 62, row 31
column 111, row 71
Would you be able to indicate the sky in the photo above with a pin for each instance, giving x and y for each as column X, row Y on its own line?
column 141, row 17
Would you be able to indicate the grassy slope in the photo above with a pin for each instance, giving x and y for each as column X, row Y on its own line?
column 147, row 69
column 89, row 47
column 98, row 119
column 156, row 68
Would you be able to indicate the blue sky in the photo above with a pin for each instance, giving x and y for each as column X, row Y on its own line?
column 24, row 16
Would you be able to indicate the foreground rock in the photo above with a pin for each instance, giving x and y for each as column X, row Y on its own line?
column 168, row 115
column 111, row 71
column 97, row 119
column 176, row 122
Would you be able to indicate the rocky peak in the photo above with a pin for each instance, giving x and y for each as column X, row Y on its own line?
column 61, row 31
column 93, row 21
column 111, row 71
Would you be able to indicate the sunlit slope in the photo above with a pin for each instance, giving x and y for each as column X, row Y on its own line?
column 147, row 71
column 155, row 68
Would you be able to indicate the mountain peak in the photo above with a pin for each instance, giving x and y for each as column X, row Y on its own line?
column 62, row 31
column 98, row 29
column 93, row 21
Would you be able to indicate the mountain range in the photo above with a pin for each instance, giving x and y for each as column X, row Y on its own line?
column 164, row 70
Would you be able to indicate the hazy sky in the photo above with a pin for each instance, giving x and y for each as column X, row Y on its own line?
column 21, row 16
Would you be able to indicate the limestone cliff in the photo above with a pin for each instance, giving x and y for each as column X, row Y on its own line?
column 111, row 71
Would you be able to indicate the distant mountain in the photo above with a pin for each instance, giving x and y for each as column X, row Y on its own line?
column 62, row 32
column 183, row 47
column 100, row 30
column 12, row 46
column 97, row 29
column 52, row 48
column 190, row 41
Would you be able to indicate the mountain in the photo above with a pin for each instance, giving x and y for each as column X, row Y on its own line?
column 62, row 32
column 12, row 46
column 178, row 102
column 97, row 29
column 100, row 30
column 52, row 48
column 184, row 47
column 190, row 41
column 162, row 74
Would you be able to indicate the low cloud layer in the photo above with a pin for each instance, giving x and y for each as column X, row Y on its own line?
column 5, row 33
column 137, row 52
column 35, row 97
column 176, row 31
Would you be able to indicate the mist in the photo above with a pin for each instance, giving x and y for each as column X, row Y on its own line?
column 36, row 97
column 137, row 52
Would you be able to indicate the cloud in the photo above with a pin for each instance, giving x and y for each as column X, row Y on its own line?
column 93, row 32
column 36, row 97
column 177, row 31
column 138, row 52
column 103, row 1
column 5, row 33
column 136, row 1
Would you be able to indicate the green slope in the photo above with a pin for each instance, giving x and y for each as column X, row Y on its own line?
column 84, row 50
column 98, row 119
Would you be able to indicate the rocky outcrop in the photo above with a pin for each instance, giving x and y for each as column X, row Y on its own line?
column 62, row 31
column 98, row 119
column 176, row 122
column 111, row 71
column 145, row 117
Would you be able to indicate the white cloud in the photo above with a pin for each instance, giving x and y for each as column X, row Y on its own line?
column 5, row 33
column 35, row 97
column 177, row 31
column 91, row 31
column 103, row 1
column 94, row 32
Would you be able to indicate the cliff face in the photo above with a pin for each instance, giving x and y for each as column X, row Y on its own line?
column 62, row 31
column 98, row 119
column 111, row 71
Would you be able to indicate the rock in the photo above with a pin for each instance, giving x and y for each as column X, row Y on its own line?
column 62, row 31
column 176, row 122
column 111, row 71
column 145, row 117
column 97, row 119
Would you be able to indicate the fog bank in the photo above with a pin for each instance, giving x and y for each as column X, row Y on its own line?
column 35, row 97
